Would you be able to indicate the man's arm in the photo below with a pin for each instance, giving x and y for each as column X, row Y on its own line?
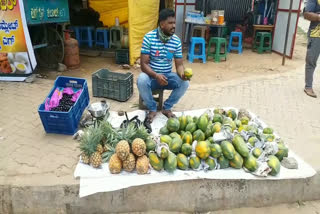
column 180, row 67
column 310, row 11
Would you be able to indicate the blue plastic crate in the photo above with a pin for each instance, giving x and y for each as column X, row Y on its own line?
column 65, row 122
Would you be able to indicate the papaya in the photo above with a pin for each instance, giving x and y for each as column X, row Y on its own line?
column 215, row 150
column 274, row 164
column 182, row 162
column 227, row 149
column 224, row 162
column 210, row 139
column 253, row 129
column 187, row 138
column 251, row 163
column 253, row 140
column 155, row 161
column 240, row 145
column 181, row 133
column 175, row 145
column 238, row 123
column 195, row 119
column 211, row 163
column 174, row 134
column 232, row 114
column 150, row 144
column 186, row 149
column 231, row 124
column 198, row 135
column 202, row 123
column 219, row 111
column 189, row 119
column 282, row 152
column 244, row 120
column 164, row 153
column 203, row 149
column 183, row 122
column 256, row 152
column 194, row 162
column 216, row 127
column 165, row 139
column 269, row 137
column 209, row 133
column 268, row 130
column 237, row 161
column 243, row 128
column 191, row 127
column 173, row 124
column 164, row 131
column 217, row 118
column 170, row 163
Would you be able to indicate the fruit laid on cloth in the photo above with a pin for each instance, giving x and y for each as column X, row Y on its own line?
column 138, row 147
column 164, row 131
column 217, row 118
column 203, row 149
column 194, row 162
column 155, row 161
column 123, row 150
column 232, row 114
column 183, row 122
column 240, row 145
column 182, row 162
column 186, row 149
column 188, row 73
column 189, row 119
column 202, row 123
column 282, row 152
column 238, row 123
column 195, row 119
column 84, row 158
column 256, row 152
column 164, row 153
column 274, row 164
column 187, row 138
column 173, row 124
column 219, row 111
column 174, row 134
column 215, row 150
column 224, row 162
column 237, row 161
column 191, row 127
column 216, row 127
column 268, row 130
column 251, row 163
column 170, row 163
column 210, row 139
column 142, row 165
column 166, row 139
column 175, row 145
column 253, row 140
column 244, row 120
column 96, row 160
column 211, row 163
column 243, row 128
column 130, row 163
column 209, row 132
column 269, row 137
column 115, row 164
column 198, row 135
column 227, row 149
column 150, row 144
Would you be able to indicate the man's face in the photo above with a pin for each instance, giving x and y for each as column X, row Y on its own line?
column 168, row 26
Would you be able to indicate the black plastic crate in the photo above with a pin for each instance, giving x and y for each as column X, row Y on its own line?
column 113, row 85
column 122, row 56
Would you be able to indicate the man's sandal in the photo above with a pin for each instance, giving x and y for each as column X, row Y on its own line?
column 168, row 113
column 310, row 92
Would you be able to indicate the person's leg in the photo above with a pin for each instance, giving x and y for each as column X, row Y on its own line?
column 178, row 87
column 312, row 56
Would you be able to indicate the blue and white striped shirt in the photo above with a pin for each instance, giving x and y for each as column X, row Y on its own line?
column 161, row 54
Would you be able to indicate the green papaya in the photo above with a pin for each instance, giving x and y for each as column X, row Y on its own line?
column 274, row 164
column 173, row 124
column 183, row 122
column 150, row 144
column 170, row 163
column 165, row 139
column 187, row 138
column 210, row 139
column 194, row 162
column 251, row 163
column 164, row 153
column 164, row 131
column 198, row 135
column 268, row 130
column 175, row 145
column 155, row 161
column 244, row 120
column 182, row 162
column 174, row 134
column 191, row 127
column 224, row 162
column 256, row 152
column 232, row 114
column 202, row 123
column 237, row 161
column 211, row 163
column 240, row 145
column 227, row 150
column 253, row 140
column 186, row 149
column 215, row 150
column 217, row 118
column 282, row 151
column 189, row 119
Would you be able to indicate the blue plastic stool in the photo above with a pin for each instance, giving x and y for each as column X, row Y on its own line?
column 102, row 37
column 86, row 35
column 202, row 50
column 76, row 30
column 239, row 46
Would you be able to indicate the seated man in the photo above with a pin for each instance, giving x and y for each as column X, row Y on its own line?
column 159, row 47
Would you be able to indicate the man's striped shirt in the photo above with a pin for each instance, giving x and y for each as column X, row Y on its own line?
column 161, row 54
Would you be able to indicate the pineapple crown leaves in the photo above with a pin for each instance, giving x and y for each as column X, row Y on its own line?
column 127, row 133
column 90, row 139
column 142, row 133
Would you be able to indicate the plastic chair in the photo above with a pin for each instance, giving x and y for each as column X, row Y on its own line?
column 238, row 47
column 218, row 42
column 102, row 37
column 86, row 34
column 116, row 33
column 202, row 50
column 158, row 99
column 262, row 42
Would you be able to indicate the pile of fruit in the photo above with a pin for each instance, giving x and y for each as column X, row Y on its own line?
column 124, row 148
column 188, row 143
column 65, row 103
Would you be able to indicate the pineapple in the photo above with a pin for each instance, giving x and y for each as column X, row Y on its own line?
column 123, row 150
column 142, row 165
column 115, row 164
column 130, row 163
column 96, row 160
column 84, row 158
column 127, row 133
column 99, row 148
column 139, row 147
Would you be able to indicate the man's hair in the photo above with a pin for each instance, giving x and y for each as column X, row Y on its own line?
column 165, row 14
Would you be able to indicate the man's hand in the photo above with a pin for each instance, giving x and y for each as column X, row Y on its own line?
column 181, row 75
column 161, row 79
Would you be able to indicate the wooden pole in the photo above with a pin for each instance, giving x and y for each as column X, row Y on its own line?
column 287, row 34
column 184, row 23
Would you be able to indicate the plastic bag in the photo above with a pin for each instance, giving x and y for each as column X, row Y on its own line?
column 54, row 100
